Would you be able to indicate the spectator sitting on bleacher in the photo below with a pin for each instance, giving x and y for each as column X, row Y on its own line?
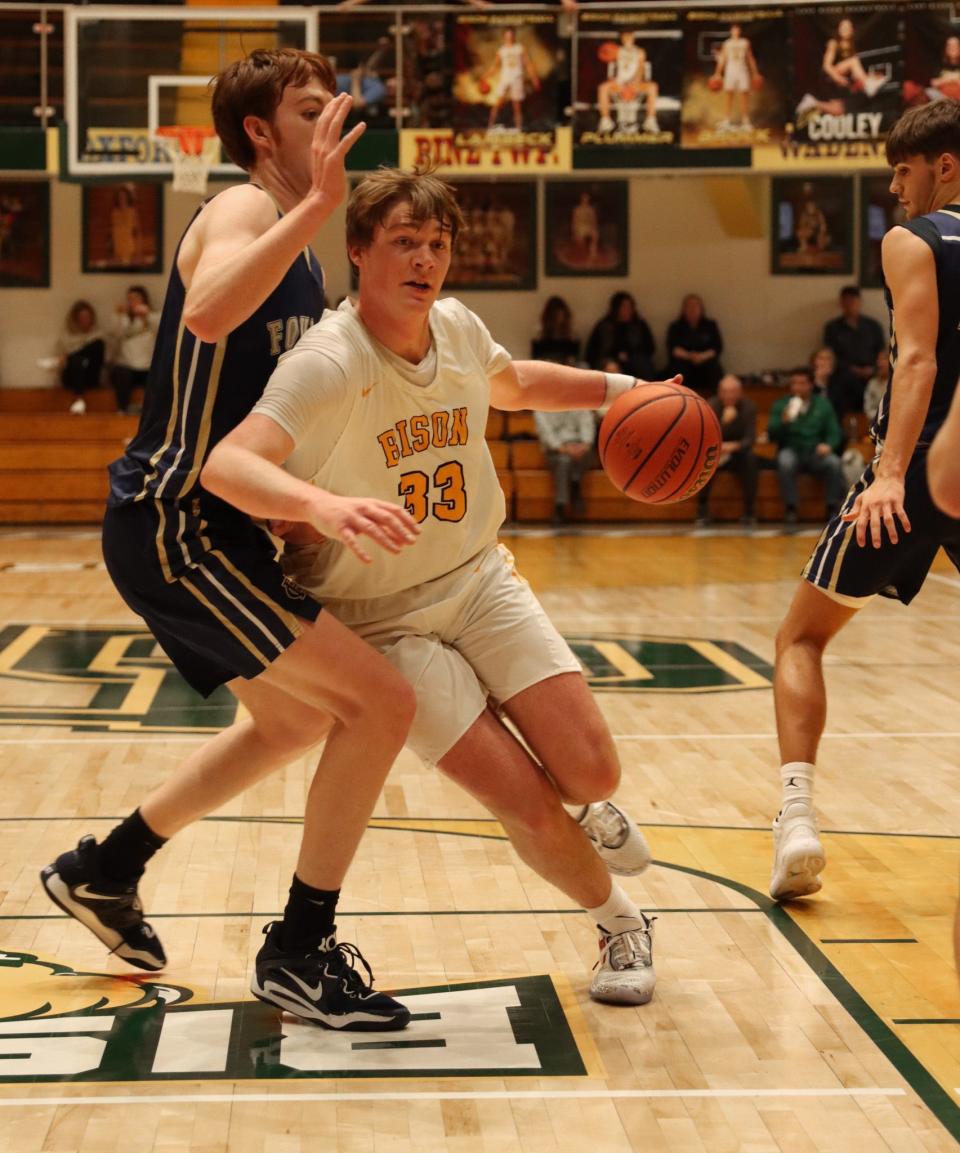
column 823, row 365
column 807, row 433
column 136, row 332
column 694, row 345
column 567, row 439
column 81, row 348
column 556, row 341
column 738, row 419
column 622, row 341
column 876, row 386
column 856, row 340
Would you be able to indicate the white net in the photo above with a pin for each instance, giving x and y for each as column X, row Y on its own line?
column 192, row 154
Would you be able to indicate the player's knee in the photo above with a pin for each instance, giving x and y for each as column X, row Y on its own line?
column 294, row 733
column 388, row 704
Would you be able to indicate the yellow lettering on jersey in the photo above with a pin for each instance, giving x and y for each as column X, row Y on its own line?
column 275, row 332
column 306, row 322
column 419, row 432
column 405, row 449
column 441, row 422
column 458, row 431
column 391, row 450
column 293, row 332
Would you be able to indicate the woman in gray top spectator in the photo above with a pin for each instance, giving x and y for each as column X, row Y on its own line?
column 136, row 333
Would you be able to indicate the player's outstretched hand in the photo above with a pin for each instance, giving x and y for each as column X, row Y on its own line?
column 328, row 150
column 350, row 519
column 877, row 507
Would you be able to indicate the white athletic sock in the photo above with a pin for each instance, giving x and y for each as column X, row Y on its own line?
column 797, row 780
column 617, row 905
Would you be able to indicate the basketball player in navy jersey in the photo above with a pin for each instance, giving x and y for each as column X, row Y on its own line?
column 888, row 531
column 206, row 580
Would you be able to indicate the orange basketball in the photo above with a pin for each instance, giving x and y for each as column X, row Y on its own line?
column 608, row 52
column 659, row 443
column 715, row 83
column 484, row 86
column 757, row 82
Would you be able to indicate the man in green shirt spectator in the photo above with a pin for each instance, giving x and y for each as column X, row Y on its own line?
column 805, row 428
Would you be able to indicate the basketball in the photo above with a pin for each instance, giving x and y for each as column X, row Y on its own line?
column 757, row 82
column 715, row 83
column 608, row 52
column 659, row 443
column 484, row 86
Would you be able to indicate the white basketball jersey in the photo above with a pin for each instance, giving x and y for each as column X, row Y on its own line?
column 628, row 64
column 366, row 423
column 511, row 62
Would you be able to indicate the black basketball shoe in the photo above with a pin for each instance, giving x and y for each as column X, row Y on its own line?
column 323, row 985
column 111, row 910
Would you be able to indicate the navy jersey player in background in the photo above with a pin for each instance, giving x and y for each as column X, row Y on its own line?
column 205, row 578
column 888, row 531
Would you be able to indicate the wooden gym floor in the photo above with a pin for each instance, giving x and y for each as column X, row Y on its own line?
column 829, row 1025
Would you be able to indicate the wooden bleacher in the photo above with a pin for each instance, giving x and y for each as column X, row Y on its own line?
column 53, row 466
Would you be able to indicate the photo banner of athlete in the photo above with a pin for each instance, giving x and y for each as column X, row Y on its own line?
column 847, row 65
column 509, row 90
column 505, row 79
column 734, row 78
column 628, row 78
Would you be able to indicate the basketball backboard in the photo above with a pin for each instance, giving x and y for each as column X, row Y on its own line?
column 130, row 71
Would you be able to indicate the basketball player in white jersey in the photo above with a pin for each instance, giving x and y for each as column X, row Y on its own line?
column 736, row 68
column 631, row 78
column 511, row 62
column 391, row 394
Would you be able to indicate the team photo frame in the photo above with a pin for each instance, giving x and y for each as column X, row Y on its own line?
column 497, row 248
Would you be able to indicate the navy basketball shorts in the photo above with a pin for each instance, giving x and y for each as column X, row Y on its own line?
column 213, row 595
column 851, row 574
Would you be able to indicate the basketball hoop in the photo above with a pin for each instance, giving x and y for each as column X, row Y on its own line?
column 193, row 150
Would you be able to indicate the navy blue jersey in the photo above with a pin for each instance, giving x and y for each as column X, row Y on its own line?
column 198, row 391
column 941, row 230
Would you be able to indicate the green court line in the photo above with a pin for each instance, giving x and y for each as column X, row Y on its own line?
column 926, row 1020
column 398, row 913
column 485, row 820
column 868, row 940
column 940, row 1103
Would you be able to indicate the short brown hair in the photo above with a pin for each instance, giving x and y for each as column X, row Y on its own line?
column 429, row 197
column 927, row 131
column 254, row 86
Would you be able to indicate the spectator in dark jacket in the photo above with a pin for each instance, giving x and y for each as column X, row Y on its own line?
column 622, row 341
column 856, row 340
column 694, row 345
column 81, row 349
column 556, row 341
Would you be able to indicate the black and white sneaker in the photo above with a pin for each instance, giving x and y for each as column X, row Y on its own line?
column 323, row 985
column 111, row 910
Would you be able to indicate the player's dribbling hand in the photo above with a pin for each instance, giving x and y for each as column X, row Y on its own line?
column 349, row 519
column 877, row 507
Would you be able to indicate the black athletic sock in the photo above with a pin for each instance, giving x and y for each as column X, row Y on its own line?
column 309, row 915
column 127, row 848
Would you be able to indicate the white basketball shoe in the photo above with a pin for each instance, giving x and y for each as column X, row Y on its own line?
column 798, row 856
column 625, row 973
